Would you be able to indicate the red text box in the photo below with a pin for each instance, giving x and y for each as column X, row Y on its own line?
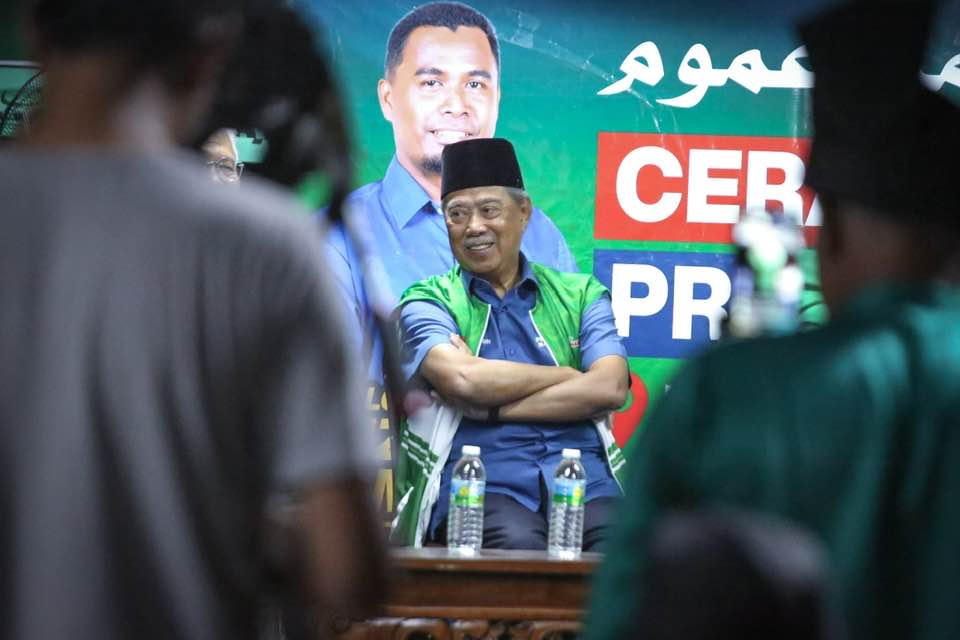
column 691, row 188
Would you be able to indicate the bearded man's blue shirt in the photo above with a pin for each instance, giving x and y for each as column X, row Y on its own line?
column 408, row 239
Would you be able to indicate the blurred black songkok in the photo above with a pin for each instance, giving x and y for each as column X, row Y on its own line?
column 880, row 137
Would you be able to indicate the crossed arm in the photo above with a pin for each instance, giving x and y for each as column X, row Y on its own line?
column 524, row 392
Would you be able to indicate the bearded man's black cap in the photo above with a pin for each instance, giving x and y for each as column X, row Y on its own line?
column 479, row 162
column 880, row 137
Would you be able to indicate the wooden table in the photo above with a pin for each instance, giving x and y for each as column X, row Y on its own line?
column 516, row 594
column 511, row 585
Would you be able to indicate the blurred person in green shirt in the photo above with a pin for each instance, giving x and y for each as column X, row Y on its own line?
column 852, row 430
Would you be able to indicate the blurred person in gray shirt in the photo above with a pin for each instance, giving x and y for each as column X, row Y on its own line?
column 170, row 357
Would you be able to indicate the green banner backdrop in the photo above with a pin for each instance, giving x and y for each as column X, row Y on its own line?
column 642, row 130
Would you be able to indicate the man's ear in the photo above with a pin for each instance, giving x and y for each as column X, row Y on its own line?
column 526, row 209
column 385, row 96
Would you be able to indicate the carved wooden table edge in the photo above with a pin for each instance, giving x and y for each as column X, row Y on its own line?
column 517, row 614
column 492, row 561
column 436, row 629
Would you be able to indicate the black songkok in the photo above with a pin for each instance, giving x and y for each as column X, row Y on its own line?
column 880, row 137
column 479, row 162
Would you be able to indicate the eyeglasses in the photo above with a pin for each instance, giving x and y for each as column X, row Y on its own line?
column 225, row 169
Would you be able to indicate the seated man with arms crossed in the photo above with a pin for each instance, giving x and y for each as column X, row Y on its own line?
column 523, row 361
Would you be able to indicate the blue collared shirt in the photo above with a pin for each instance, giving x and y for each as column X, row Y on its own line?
column 518, row 456
column 408, row 238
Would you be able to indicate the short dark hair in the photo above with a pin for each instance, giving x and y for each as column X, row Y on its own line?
column 151, row 32
column 437, row 14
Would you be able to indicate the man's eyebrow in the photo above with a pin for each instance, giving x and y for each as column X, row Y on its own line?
column 428, row 71
column 466, row 202
column 434, row 71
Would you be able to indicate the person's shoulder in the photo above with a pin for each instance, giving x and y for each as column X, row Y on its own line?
column 429, row 285
column 250, row 200
column 259, row 202
column 572, row 280
column 731, row 372
column 571, row 277
column 267, row 210
column 254, row 215
column 796, row 356
column 439, row 287
column 757, row 347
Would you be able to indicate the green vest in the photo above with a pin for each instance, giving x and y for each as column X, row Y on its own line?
column 426, row 438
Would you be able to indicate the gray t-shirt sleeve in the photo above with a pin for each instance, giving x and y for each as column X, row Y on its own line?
column 313, row 404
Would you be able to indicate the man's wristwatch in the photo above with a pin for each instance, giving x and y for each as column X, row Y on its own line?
column 493, row 414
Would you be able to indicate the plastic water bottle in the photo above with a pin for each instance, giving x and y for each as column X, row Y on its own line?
column 566, row 509
column 465, row 519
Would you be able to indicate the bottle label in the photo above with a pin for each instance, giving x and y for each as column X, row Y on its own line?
column 467, row 493
column 569, row 491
